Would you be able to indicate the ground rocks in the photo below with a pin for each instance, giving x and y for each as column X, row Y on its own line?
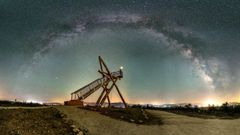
column 44, row 121
column 131, row 120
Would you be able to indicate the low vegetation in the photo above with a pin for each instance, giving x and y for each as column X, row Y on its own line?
column 6, row 103
column 225, row 111
column 133, row 115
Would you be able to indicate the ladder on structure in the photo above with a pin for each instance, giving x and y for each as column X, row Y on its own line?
column 107, row 83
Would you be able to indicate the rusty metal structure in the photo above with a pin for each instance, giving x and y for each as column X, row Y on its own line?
column 107, row 82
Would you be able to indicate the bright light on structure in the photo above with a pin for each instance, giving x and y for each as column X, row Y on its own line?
column 121, row 67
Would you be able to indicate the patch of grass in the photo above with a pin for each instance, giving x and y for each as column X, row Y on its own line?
column 225, row 111
column 133, row 115
column 6, row 103
column 45, row 121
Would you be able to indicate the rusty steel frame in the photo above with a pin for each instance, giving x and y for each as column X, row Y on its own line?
column 106, row 91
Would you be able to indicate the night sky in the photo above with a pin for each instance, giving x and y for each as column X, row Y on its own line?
column 172, row 51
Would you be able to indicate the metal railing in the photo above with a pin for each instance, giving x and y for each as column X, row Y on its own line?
column 80, row 93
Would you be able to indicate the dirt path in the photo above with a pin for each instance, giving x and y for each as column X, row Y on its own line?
column 184, row 125
column 98, row 124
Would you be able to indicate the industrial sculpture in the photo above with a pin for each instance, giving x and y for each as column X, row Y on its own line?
column 107, row 82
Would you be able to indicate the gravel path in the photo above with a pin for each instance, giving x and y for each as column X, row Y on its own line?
column 173, row 124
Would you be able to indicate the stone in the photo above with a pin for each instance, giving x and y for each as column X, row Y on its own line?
column 131, row 120
column 140, row 121
column 72, row 126
column 75, row 130
column 81, row 133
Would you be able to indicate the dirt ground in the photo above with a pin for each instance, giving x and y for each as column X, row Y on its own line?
column 132, row 115
column 173, row 124
column 32, row 121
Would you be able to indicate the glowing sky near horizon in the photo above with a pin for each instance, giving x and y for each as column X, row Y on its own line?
column 171, row 51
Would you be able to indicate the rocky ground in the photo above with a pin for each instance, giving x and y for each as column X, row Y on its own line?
column 34, row 121
column 132, row 115
column 71, row 120
column 173, row 124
